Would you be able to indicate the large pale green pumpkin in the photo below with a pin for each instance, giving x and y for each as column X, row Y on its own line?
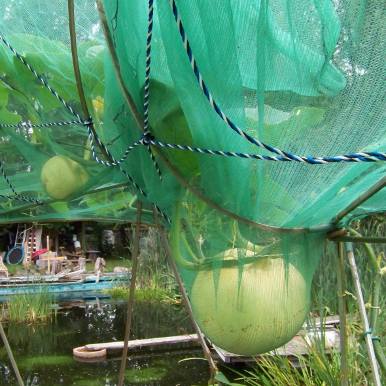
column 254, row 311
column 62, row 176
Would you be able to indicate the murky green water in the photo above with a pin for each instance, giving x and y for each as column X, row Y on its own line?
column 44, row 352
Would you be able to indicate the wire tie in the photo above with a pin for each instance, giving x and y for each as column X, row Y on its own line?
column 88, row 122
column 147, row 137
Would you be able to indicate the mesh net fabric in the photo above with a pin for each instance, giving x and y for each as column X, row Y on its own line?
column 303, row 76
column 39, row 31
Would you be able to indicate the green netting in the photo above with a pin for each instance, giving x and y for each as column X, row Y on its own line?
column 303, row 76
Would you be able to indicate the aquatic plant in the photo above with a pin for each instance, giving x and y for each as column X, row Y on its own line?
column 147, row 294
column 46, row 360
column 145, row 374
column 28, row 308
column 118, row 292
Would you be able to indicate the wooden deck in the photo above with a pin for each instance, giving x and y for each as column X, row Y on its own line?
column 298, row 346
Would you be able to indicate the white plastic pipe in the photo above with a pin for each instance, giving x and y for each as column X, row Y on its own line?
column 363, row 314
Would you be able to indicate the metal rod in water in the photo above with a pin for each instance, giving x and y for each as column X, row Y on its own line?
column 10, row 355
column 363, row 314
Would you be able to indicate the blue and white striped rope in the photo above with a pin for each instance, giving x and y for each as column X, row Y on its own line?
column 114, row 162
column 41, row 79
column 146, row 96
column 159, row 210
column 28, row 124
column 355, row 157
column 88, row 124
column 15, row 196
column 20, row 197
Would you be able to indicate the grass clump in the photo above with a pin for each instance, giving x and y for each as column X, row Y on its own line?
column 118, row 292
column 317, row 369
column 156, row 294
column 28, row 308
column 146, row 294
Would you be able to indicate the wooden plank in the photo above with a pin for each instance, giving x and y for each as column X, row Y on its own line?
column 296, row 347
column 141, row 343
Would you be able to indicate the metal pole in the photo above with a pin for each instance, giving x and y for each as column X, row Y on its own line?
column 205, row 348
column 341, row 276
column 363, row 314
column 10, row 356
column 359, row 200
column 130, row 301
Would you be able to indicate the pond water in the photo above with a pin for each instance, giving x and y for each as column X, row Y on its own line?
column 44, row 352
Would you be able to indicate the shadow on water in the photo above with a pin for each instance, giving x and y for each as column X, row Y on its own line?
column 44, row 351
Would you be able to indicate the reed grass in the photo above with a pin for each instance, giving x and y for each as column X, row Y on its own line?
column 30, row 308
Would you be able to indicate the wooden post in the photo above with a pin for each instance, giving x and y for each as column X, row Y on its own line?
column 10, row 356
column 83, row 238
column 130, row 302
column 205, row 348
column 48, row 255
column 341, row 276
column 57, row 242
column 363, row 314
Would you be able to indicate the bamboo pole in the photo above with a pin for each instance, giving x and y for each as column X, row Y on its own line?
column 10, row 356
column 341, row 277
column 363, row 314
column 376, row 289
column 78, row 77
column 355, row 239
column 359, row 200
column 130, row 301
column 212, row 365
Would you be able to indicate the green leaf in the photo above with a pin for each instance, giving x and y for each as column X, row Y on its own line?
column 7, row 117
column 3, row 97
column 220, row 377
